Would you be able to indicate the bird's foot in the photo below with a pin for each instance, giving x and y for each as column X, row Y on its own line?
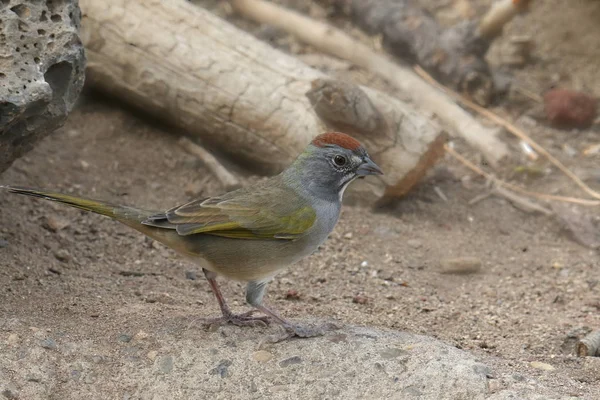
column 245, row 319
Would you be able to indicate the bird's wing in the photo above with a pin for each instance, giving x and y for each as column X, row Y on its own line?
column 259, row 212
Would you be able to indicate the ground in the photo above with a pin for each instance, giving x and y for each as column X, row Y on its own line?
column 68, row 273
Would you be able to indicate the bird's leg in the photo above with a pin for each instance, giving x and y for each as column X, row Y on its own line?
column 229, row 317
column 254, row 295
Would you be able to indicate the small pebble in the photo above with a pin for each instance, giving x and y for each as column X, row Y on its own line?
column 569, row 109
column 364, row 264
column 290, row 361
column 222, row 369
column 292, row 295
column 191, row 275
column 460, row 265
column 48, row 343
column 541, row 365
column 152, row 354
column 62, row 255
column 13, row 339
column 3, row 243
column 55, row 224
column 360, row 299
column 141, row 335
column 124, row 338
column 262, row 356
column 164, row 298
column 348, row 235
column 164, row 364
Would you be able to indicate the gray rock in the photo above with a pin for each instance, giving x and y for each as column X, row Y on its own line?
column 164, row 364
column 367, row 364
column 48, row 343
column 42, row 65
column 290, row 361
column 222, row 369
column 125, row 338
column 191, row 275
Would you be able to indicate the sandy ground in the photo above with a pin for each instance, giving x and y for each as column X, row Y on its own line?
column 70, row 273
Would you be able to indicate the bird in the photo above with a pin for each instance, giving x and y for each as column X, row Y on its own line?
column 252, row 233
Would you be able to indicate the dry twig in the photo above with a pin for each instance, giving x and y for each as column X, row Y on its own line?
column 520, row 202
column 227, row 179
column 518, row 132
column 516, row 188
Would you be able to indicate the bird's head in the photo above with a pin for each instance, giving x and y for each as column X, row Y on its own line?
column 329, row 163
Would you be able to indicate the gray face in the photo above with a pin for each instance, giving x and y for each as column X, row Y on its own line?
column 325, row 172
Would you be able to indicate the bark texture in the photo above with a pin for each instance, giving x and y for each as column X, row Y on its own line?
column 193, row 69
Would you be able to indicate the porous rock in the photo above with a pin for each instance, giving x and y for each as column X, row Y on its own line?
column 42, row 66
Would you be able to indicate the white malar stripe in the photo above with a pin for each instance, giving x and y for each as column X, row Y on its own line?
column 345, row 186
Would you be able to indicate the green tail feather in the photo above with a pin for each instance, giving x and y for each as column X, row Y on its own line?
column 127, row 215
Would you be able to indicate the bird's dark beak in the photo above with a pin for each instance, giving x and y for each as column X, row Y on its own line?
column 368, row 167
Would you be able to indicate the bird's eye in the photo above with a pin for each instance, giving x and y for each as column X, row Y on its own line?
column 340, row 161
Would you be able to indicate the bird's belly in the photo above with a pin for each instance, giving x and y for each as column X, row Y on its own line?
column 247, row 260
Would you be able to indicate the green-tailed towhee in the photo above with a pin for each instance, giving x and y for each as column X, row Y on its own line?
column 250, row 234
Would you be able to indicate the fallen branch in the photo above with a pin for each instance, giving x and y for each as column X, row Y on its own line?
column 518, row 132
column 589, row 345
column 227, row 179
column 194, row 70
column 335, row 42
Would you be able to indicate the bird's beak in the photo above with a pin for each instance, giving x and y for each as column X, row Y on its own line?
column 368, row 167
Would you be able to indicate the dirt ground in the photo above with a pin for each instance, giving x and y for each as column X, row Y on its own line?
column 72, row 273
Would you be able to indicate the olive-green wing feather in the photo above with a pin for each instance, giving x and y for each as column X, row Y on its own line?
column 260, row 212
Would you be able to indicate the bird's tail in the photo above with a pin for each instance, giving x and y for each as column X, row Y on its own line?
column 127, row 215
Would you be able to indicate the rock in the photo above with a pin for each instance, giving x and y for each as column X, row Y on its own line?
column 541, row 365
column 124, row 338
column 13, row 339
column 569, row 109
column 164, row 298
column 221, row 369
column 48, row 343
column 141, row 335
column 360, row 299
column 262, row 356
column 41, row 71
column 290, row 361
column 55, row 224
column 191, row 275
column 350, row 363
column 164, row 364
column 3, row 243
column 62, row 255
column 460, row 265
